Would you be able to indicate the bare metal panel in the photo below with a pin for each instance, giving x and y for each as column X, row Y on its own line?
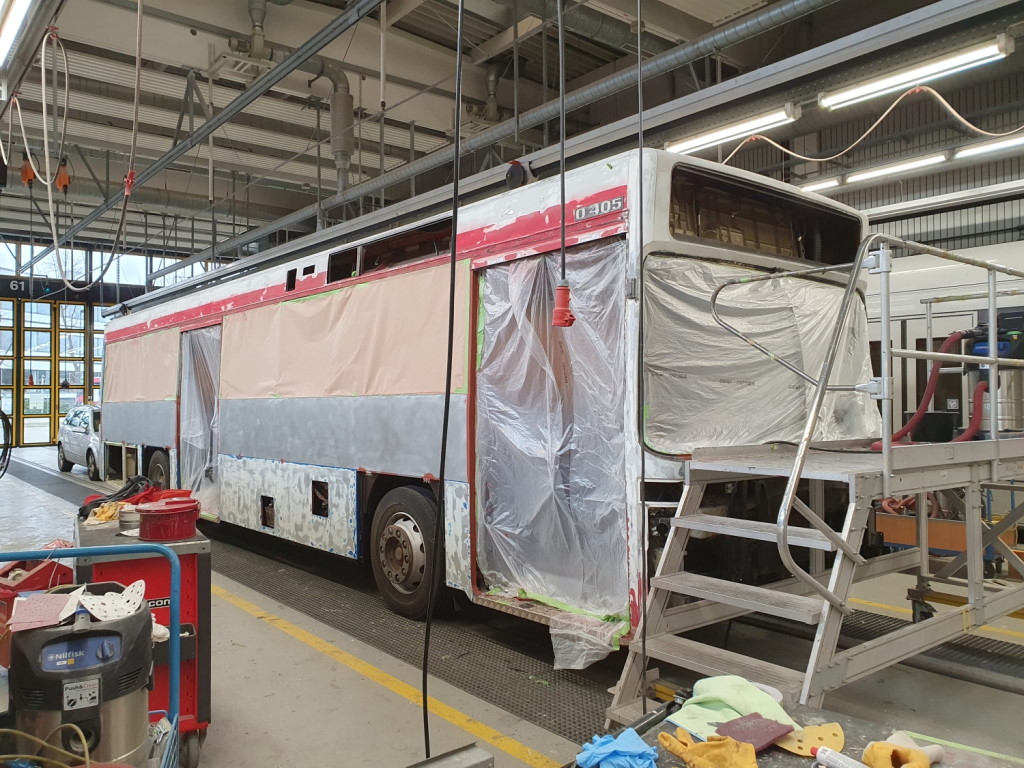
column 141, row 423
column 244, row 481
column 398, row 434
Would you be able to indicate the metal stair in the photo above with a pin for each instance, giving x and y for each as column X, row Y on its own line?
column 820, row 597
column 784, row 605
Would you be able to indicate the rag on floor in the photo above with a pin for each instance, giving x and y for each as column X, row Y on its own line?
column 627, row 750
column 717, row 700
column 716, row 752
column 901, row 751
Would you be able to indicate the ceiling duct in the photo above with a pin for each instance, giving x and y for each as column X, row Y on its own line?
column 341, row 103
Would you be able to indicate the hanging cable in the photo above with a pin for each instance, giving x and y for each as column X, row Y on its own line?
column 129, row 177
column 434, row 575
column 561, row 315
column 912, row 91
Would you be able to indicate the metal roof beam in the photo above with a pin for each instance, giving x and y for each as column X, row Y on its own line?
column 272, row 77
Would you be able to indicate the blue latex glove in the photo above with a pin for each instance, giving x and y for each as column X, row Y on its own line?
column 628, row 750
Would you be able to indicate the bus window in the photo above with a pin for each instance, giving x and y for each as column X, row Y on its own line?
column 706, row 206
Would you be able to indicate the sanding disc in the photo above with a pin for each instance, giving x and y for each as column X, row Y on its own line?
column 800, row 742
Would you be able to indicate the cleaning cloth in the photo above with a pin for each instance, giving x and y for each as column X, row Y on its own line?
column 716, row 752
column 717, row 700
column 627, row 750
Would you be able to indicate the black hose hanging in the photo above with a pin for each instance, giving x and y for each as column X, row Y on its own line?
column 433, row 580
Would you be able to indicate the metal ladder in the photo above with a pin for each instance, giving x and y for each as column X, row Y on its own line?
column 719, row 599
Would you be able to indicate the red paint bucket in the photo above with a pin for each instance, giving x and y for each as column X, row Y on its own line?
column 168, row 519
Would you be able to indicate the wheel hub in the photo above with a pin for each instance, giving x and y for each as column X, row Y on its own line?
column 402, row 552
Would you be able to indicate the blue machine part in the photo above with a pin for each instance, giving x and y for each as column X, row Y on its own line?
column 81, row 653
column 980, row 348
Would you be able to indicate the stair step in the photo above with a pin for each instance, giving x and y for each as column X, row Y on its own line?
column 754, row 529
column 627, row 714
column 770, row 601
column 708, row 660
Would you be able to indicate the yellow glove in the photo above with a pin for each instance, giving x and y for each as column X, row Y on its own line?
column 882, row 754
column 716, row 752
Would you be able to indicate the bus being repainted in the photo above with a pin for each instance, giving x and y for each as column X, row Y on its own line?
column 304, row 399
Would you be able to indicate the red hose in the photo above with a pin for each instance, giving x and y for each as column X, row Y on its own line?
column 929, row 392
column 977, row 401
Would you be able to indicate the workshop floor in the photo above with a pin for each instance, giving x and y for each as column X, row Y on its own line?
column 286, row 685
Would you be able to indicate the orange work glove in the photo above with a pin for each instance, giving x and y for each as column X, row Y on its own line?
column 716, row 752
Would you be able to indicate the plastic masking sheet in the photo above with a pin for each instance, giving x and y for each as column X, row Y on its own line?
column 200, row 416
column 550, row 431
column 705, row 387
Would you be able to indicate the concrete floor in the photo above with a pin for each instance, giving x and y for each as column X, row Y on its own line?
column 287, row 686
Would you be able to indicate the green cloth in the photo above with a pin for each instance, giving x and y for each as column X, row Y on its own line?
column 717, row 700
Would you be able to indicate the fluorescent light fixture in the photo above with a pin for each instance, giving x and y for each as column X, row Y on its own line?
column 895, row 168
column 11, row 25
column 787, row 114
column 820, row 185
column 922, row 73
column 989, row 146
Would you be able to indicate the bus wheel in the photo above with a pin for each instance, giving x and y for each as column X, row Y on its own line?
column 159, row 469
column 402, row 538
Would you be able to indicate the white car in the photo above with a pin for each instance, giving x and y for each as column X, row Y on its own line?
column 78, row 441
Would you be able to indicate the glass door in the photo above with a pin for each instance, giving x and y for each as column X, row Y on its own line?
column 99, row 324
column 7, row 359
column 37, row 401
column 71, row 359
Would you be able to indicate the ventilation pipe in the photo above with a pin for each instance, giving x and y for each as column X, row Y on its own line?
column 340, row 102
column 491, row 112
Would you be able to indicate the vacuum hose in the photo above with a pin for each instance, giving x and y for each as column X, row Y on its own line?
column 977, row 403
column 929, row 391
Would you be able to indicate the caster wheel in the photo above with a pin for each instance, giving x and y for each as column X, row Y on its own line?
column 190, row 748
column 990, row 569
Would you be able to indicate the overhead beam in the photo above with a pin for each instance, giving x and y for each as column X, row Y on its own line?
column 658, row 17
column 268, row 80
column 527, row 27
column 399, row 9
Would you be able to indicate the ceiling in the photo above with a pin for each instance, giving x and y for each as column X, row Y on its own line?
column 265, row 162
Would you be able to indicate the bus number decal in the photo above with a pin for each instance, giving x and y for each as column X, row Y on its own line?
column 585, row 212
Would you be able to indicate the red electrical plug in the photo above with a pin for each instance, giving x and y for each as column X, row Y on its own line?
column 561, row 315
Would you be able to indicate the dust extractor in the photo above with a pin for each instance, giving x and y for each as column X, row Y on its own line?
column 91, row 673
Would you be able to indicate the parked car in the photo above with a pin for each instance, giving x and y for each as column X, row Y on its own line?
column 78, row 441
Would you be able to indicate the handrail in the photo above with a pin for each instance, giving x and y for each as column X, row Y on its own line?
column 756, row 344
column 174, row 625
column 883, row 385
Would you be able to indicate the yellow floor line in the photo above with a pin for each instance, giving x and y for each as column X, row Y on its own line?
column 472, row 726
column 898, row 609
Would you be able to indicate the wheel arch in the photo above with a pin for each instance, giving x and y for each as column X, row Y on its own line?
column 373, row 487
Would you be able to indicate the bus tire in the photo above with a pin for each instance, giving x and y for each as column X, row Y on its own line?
column 159, row 470
column 402, row 550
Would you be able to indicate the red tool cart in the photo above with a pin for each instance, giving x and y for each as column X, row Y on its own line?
column 194, row 554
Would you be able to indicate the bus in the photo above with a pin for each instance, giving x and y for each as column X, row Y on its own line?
column 299, row 393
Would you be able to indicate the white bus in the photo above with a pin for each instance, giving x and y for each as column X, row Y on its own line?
column 300, row 393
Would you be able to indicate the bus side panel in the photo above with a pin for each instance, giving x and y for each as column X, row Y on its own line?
column 458, row 550
column 393, row 434
column 140, row 408
column 323, row 387
column 280, row 498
